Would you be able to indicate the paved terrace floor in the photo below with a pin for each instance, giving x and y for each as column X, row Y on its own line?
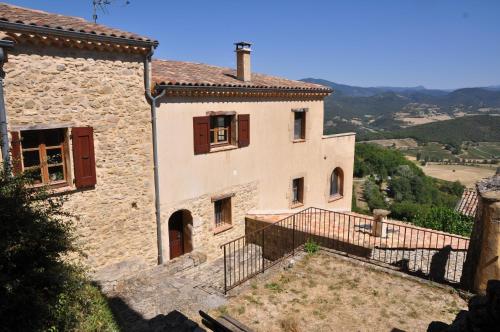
column 357, row 229
column 429, row 253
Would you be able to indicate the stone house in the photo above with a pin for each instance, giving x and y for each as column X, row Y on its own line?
column 233, row 142
column 79, row 110
column 78, row 120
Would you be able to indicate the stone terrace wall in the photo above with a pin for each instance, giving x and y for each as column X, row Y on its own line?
column 47, row 86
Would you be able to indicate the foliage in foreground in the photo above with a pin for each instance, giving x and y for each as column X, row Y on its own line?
column 40, row 289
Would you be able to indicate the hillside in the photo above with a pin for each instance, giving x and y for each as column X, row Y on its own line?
column 478, row 128
column 372, row 109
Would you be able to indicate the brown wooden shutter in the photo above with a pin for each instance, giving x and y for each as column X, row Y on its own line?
column 15, row 152
column 243, row 130
column 83, row 157
column 201, row 132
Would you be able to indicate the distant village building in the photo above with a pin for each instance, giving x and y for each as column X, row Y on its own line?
column 229, row 141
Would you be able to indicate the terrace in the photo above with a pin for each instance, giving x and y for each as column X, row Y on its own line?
column 327, row 292
column 270, row 238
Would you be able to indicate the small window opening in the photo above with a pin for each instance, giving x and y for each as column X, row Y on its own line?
column 222, row 212
column 298, row 191
column 299, row 125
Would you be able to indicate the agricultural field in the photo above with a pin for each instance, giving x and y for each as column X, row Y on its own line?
column 434, row 151
column 431, row 150
column 482, row 150
column 467, row 175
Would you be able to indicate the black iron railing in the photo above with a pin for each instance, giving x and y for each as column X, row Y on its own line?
column 424, row 252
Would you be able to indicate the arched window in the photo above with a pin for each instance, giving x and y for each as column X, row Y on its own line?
column 337, row 182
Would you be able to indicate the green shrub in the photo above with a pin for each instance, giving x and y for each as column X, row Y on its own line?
column 311, row 247
column 373, row 196
column 41, row 289
column 445, row 220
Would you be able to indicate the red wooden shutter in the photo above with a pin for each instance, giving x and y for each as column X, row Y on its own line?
column 201, row 132
column 15, row 152
column 243, row 130
column 83, row 157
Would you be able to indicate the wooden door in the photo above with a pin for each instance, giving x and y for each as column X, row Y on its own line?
column 176, row 235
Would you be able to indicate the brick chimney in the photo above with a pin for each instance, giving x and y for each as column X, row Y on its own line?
column 243, row 70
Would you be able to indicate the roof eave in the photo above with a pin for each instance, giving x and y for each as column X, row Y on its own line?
column 242, row 89
column 19, row 27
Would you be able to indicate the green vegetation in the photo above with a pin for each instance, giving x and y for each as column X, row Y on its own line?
column 479, row 128
column 373, row 195
column 481, row 150
column 374, row 160
column 41, row 288
column 311, row 247
column 431, row 151
column 409, row 194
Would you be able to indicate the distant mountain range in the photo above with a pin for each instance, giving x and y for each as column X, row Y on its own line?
column 373, row 109
column 357, row 91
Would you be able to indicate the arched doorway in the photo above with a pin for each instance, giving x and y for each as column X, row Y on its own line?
column 180, row 226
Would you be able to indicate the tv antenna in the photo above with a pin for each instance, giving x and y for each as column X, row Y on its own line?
column 101, row 5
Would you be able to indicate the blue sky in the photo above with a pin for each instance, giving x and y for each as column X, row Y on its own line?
column 435, row 43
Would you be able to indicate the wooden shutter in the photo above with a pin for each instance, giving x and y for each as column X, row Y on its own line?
column 243, row 130
column 83, row 157
column 201, row 132
column 15, row 152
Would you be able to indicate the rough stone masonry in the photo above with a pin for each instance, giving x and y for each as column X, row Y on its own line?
column 66, row 87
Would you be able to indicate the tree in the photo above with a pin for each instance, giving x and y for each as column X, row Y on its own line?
column 36, row 237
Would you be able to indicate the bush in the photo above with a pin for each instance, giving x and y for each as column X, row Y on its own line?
column 41, row 289
column 311, row 247
column 445, row 220
column 373, row 196
column 407, row 211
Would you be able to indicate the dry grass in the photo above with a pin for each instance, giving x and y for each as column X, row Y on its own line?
column 467, row 175
column 325, row 293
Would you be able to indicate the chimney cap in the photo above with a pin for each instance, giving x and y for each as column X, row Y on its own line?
column 243, row 46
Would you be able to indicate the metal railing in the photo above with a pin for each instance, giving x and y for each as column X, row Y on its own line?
column 423, row 252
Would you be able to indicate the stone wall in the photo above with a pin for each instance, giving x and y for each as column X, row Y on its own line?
column 49, row 86
column 245, row 198
column 483, row 262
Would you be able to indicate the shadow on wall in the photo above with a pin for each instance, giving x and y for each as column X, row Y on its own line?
column 130, row 320
column 437, row 270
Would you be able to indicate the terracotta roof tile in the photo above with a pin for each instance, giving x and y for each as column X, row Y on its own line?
column 166, row 72
column 468, row 203
column 32, row 17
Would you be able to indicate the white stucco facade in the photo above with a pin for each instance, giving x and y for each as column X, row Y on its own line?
column 268, row 165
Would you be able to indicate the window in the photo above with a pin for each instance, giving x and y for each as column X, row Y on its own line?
column 213, row 131
column 220, row 129
column 44, row 155
column 222, row 212
column 299, row 124
column 298, row 191
column 337, row 182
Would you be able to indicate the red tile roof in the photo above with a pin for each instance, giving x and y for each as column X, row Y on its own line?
column 178, row 73
column 468, row 203
column 36, row 18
